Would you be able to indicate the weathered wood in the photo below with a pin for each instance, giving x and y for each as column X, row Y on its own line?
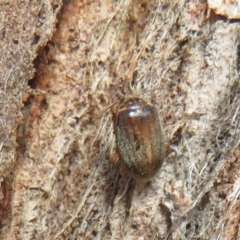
column 56, row 179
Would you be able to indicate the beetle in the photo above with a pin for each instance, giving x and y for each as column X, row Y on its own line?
column 139, row 137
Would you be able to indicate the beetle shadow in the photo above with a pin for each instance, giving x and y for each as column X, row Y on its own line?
column 120, row 186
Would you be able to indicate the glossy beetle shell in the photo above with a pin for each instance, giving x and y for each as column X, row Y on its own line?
column 139, row 137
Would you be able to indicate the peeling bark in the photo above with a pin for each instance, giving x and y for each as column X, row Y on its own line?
column 64, row 66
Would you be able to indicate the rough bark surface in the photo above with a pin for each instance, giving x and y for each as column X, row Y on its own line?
column 64, row 66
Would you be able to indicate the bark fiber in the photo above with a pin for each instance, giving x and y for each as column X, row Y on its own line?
column 64, row 67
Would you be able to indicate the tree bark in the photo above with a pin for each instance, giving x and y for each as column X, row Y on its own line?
column 64, row 69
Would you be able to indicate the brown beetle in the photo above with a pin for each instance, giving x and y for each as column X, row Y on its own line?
column 139, row 137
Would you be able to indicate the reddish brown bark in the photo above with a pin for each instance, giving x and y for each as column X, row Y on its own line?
column 56, row 130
